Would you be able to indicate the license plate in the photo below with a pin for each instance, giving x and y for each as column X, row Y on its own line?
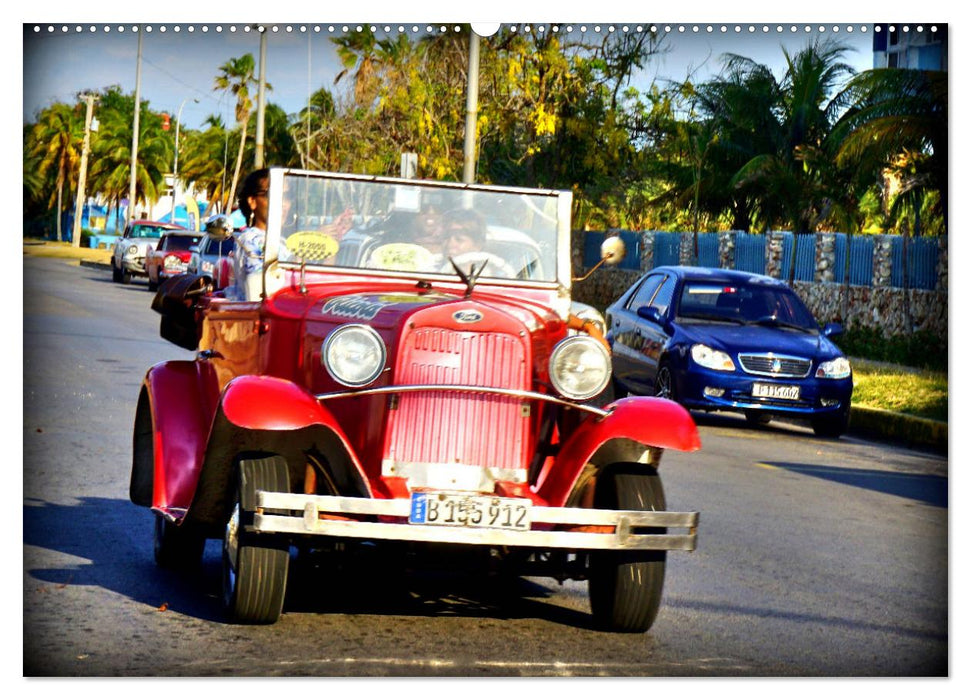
column 786, row 392
column 465, row 510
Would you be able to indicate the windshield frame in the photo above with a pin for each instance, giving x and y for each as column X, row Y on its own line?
column 561, row 279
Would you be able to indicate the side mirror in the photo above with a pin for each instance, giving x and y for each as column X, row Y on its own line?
column 649, row 313
column 832, row 330
column 219, row 227
column 613, row 250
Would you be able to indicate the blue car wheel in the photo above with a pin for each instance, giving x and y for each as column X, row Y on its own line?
column 664, row 382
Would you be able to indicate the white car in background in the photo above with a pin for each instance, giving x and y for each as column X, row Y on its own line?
column 131, row 250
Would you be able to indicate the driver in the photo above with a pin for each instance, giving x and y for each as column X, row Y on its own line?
column 465, row 240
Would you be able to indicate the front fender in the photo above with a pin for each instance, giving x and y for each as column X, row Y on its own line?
column 644, row 420
column 269, row 415
column 270, row 403
column 172, row 419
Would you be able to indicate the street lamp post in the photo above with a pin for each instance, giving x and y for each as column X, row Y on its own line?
column 175, row 165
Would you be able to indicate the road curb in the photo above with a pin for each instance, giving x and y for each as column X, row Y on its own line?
column 899, row 427
column 95, row 264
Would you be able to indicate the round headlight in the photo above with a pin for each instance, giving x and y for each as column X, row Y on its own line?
column 132, row 249
column 579, row 367
column 354, row 355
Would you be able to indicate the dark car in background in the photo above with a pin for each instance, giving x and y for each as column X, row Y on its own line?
column 170, row 257
column 723, row 340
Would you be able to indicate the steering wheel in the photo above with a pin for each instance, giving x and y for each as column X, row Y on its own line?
column 495, row 266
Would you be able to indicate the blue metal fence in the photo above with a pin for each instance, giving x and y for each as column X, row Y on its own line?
column 805, row 256
column 750, row 252
column 861, row 259
column 708, row 250
column 750, row 255
column 667, row 249
column 922, row 254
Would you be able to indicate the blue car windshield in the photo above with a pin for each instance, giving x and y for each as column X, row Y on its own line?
column 741, row 304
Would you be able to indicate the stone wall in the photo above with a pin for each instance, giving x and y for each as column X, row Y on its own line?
column 879, row 306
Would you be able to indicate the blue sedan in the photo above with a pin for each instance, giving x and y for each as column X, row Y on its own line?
column 722, row 340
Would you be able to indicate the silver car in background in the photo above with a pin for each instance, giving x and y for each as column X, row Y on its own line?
column 213, row 255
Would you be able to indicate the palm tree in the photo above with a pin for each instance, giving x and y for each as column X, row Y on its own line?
column 236, row 76
column 110, row 170
column 207, row 153
column 895, row 112
column 56, row 141
column 785, row 129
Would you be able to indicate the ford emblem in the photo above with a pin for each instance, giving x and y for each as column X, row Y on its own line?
column 467, row 316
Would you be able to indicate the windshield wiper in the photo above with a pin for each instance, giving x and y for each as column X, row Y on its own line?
column 714, row 317
column 774, row 321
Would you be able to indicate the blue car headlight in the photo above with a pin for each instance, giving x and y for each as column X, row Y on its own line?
column 838, row 368
column 712, row 359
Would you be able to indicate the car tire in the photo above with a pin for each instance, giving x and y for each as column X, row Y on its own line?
column 664, row 382
column 757, row 418
column 831, row 426
column 254, row 565
column 152, row 286
column 115, row 272
column 625, row 587
column 177, row 546
column 125, row 277
column 620, row 391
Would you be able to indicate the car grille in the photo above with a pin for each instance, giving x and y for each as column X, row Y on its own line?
column 441, row 427
column 772, row 365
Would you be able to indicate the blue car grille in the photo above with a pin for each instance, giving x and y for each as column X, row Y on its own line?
column 772, row 365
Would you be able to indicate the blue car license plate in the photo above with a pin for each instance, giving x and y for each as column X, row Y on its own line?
column 786, row 392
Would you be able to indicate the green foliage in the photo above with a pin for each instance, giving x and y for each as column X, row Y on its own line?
column 921, row 349
column 813, row 149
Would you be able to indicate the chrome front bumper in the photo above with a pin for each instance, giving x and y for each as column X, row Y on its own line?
column 624, row 522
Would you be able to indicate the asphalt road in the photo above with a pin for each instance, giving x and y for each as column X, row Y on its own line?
column 815, row 558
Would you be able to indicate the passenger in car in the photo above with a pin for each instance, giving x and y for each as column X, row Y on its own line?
column 248, row 253
column 465, row 242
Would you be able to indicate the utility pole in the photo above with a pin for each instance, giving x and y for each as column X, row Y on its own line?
column 83, row 174
column 175, row 164
column 134, row 136
column 471, row 108
column 261, row 102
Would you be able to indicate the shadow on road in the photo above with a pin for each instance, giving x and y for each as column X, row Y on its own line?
column 100, row 531
column 928, row 488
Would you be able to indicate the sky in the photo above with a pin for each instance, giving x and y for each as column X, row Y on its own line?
column 180, row 60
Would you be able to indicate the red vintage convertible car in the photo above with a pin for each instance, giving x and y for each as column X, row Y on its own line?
column 415, row 382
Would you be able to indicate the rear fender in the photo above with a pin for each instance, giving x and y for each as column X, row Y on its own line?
column 172, row 419
column 635, row 425
column 267, row 415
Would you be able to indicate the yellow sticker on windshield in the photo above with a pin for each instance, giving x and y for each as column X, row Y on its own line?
column 406, row 257
column 311, row 246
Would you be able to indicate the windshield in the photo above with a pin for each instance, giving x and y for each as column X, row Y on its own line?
column 180, row 242
column 142, row 231
column 219, row 247
column 746, row 304
column 421, row 227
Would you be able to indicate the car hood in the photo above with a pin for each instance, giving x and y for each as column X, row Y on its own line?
column 734, row 339
column 142, row 243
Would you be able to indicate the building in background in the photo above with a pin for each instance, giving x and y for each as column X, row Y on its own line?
column 922, row 47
